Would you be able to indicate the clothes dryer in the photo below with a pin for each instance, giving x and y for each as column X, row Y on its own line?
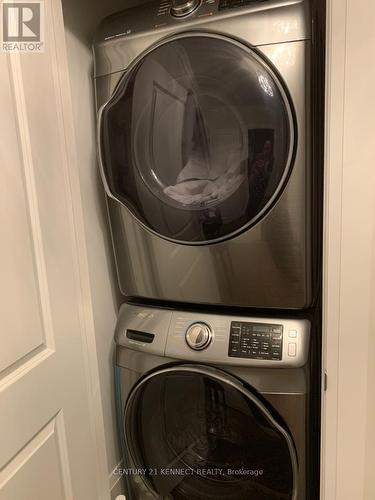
column 204, row 141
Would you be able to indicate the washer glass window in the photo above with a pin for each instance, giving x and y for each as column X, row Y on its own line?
column 197, row 140
column 201, row 436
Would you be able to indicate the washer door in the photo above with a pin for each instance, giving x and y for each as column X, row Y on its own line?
column 201, row 434
column 198, row 139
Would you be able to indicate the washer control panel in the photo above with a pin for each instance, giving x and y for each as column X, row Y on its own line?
column 214, row 338
column 256, row 340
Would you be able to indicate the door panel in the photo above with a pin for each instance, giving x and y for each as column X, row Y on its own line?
column 18, row 252
column 26, row 472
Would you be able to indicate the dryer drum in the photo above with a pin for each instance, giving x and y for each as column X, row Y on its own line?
column 198, row 139
column 201, row 434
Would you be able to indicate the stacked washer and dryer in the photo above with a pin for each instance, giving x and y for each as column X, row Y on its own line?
column 204, row 138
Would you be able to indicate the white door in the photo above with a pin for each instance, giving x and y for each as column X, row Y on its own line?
column 51, row 436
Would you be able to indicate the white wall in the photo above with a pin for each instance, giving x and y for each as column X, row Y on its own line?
column 348, row 446
column 81, row 19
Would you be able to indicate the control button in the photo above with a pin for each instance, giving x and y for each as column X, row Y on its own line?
column 181, row 8
column 292, row 349
column 198, row 336
column 292, row 334
column 277, row 336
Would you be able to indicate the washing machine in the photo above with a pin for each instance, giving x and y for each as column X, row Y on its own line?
column 204, row 139
column 212, row 406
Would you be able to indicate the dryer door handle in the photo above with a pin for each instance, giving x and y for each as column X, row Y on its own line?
column 100, row 154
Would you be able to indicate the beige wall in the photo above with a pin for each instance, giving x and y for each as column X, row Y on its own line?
column 349, row 275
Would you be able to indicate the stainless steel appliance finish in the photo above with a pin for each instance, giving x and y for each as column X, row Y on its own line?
column 167, row 372
column 176, row 246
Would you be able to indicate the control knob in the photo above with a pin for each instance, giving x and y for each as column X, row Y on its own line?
column 181, row 8
column 198, row 336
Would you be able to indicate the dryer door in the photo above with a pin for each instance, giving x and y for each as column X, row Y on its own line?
column 198, row 139
column 200, row 434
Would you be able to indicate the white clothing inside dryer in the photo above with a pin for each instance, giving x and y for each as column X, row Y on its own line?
column 199, row 184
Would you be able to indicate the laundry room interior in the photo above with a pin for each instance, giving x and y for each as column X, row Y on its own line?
column 201, row 209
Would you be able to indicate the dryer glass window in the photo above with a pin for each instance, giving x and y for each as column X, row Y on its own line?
column 198, row 138
column 200, row 438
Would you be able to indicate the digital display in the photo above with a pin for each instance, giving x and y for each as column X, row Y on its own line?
column 260, row 328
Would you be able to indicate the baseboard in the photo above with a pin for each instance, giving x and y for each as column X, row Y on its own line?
column 116, row 482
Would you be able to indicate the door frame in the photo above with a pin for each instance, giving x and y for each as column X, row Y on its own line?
column 348, row 403
column 69, row 153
